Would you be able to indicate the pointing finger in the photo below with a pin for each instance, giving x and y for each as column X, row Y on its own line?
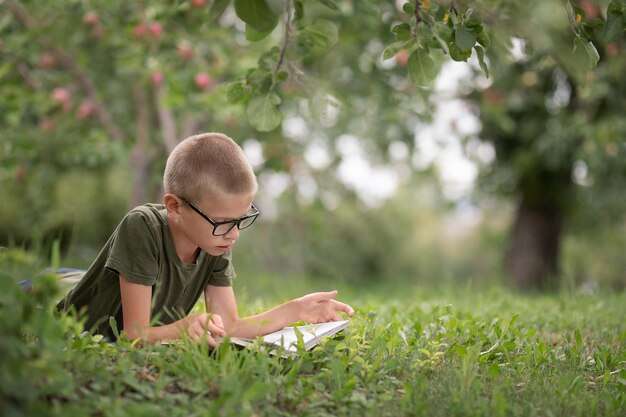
column 339, row 306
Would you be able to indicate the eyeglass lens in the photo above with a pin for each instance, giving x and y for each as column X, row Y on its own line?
column 223, row 228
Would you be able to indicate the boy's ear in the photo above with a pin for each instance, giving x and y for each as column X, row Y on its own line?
column 172, row 204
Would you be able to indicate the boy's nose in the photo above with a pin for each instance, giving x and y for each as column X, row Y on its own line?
column 233, row 234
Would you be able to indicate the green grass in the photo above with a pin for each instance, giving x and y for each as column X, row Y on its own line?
column 410, row 351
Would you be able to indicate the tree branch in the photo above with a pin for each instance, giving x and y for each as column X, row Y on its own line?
column 166, row 120
column 102, row 112
column 20, row 13
column 453, row 8
column 418, row 16
column 139, row 154
column 23, row 69
column 286, row 37
column 143, row 120
column 190, row 126
column 67, row 62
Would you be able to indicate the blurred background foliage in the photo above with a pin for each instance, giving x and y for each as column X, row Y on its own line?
column 93, row 95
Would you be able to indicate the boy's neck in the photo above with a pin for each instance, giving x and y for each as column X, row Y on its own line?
column 186, row 251
column 192, row 259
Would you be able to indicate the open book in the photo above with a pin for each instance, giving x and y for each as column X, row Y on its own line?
column 287, row 338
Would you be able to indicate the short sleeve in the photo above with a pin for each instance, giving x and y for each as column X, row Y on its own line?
column 134, row 252
column 224, row 271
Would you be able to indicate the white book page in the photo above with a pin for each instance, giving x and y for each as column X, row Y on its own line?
column 310, row 333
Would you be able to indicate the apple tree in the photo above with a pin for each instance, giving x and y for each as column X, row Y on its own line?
column 554, row 116
column 87, row 82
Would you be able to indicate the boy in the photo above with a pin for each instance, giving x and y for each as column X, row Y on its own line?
column 162, row 258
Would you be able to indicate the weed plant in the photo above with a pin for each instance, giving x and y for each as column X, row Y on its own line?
column 408, row 352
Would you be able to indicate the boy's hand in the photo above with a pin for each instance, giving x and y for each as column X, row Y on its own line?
column 320, row 307
column 204, row 326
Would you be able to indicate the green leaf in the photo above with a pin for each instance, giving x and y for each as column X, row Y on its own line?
column 480, row 54
column 458, row 55
column 402, row 31
column 460, row 350
column 444, row 32
column 265, row 84
column 299, row 10
column 579, row 338
column 614, row 26
column 594, row 56
column 586, row 53
column 320, row 105
column 484, row 39
column 494, row 370
column 569, row 9
column 421, row 68
column 474, row 24
column 263, row 112
column 217, row 8
column 617, row 6
column 408, row 8
column 392, row 50
column 440, row 13
column 253, row 35
column 417, row 326
column 322, row 33
column 580, row 59
column 330, row 4
column 443, row 45
column 257, row 14
column 237, row 93
column 464, row 38
column 113, row 325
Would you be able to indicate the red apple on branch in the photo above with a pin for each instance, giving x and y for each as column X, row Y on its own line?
column 91, row 18
column 85, row 109
column 203, row 80
column 156, row 29
column 185, row 51
column 47, row 124
column 156, row 78
column 139, row 31
column 63, row 97
column 402, row 57
column 47, row 60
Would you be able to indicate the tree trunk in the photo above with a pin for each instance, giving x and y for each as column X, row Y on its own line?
column 139, row 155
column 532, row 258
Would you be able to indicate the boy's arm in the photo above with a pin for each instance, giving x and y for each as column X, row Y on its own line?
column 314, row 308
column 221, row 300
column 136, row 303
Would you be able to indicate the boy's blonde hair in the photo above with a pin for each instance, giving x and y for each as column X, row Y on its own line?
column 209, row 165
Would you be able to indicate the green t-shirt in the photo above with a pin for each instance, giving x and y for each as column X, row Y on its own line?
column 141, row 248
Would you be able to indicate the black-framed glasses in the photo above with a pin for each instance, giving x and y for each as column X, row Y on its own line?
column 222, row 228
